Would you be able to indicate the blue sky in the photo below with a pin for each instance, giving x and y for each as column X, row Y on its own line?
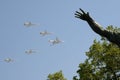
column 56, row 16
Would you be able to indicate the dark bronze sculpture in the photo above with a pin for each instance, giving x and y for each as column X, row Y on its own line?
column 111, row 36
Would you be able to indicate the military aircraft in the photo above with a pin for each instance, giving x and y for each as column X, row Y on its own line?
column 29, row 24
column 55, row 41
column 44, row 33
column 30, row 51
column 8, row 60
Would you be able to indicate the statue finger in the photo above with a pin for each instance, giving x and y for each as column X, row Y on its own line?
column 78, row 12
column 77, row 16
column 82, row 11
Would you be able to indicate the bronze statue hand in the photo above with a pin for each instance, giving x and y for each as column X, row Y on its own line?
column 82, row 15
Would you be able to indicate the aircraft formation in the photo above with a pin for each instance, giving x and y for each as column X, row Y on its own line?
column 42, row 33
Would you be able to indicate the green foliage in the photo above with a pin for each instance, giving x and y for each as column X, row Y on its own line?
column 103, row 62
column 56, row 76
column 113, row 29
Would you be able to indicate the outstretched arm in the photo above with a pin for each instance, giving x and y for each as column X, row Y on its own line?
column 86, row 17
column 111, row 36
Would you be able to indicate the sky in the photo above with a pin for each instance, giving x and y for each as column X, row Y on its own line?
column 55, row 16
